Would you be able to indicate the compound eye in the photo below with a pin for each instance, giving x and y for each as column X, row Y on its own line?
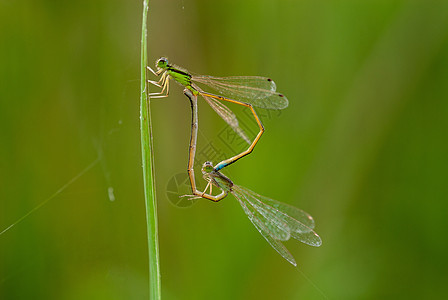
column 162, row 63
column 207, row 167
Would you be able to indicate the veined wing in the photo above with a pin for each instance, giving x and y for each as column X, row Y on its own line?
column 277, row 228
column 227, row 115
column 256, row 90
column 297, row 219
column 286, row 209
column 269, row 232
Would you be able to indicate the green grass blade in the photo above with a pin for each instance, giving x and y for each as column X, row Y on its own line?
column 148, row 168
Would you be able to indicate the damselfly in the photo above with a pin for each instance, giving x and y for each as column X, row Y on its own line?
column 275, row 221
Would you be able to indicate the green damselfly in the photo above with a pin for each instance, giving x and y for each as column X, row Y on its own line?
column 248, row 91
column 275, row 221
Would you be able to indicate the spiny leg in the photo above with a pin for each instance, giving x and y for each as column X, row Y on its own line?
column 157, row 73
column 165, row 89
column 161, row 80
column 160, row 83
column 206, row 187
column 211, row 187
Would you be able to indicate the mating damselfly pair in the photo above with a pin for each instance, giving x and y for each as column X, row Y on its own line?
column 276, row 221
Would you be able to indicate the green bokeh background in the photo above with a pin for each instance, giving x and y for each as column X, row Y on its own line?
column 362, row 147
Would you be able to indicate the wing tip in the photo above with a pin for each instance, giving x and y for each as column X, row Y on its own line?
column 281, row 103
column 318, row 242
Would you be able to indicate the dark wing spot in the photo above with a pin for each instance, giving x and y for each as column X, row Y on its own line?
column 281, row 95
column 269, row 79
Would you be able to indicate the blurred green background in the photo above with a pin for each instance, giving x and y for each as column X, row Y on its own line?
column 362, row 147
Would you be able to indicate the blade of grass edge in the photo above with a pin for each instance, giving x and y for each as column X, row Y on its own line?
column 148, row 168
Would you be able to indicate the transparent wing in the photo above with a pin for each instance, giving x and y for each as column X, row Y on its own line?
column 278, row 229
column 256, row 90
column 227, row 115
column 297, row 220
column 269, row 232
column 292, row 211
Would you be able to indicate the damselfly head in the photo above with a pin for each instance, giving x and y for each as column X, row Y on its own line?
column 162, row 63
column 207, row 167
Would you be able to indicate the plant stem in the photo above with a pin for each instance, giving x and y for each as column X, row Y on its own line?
column 148, row 168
